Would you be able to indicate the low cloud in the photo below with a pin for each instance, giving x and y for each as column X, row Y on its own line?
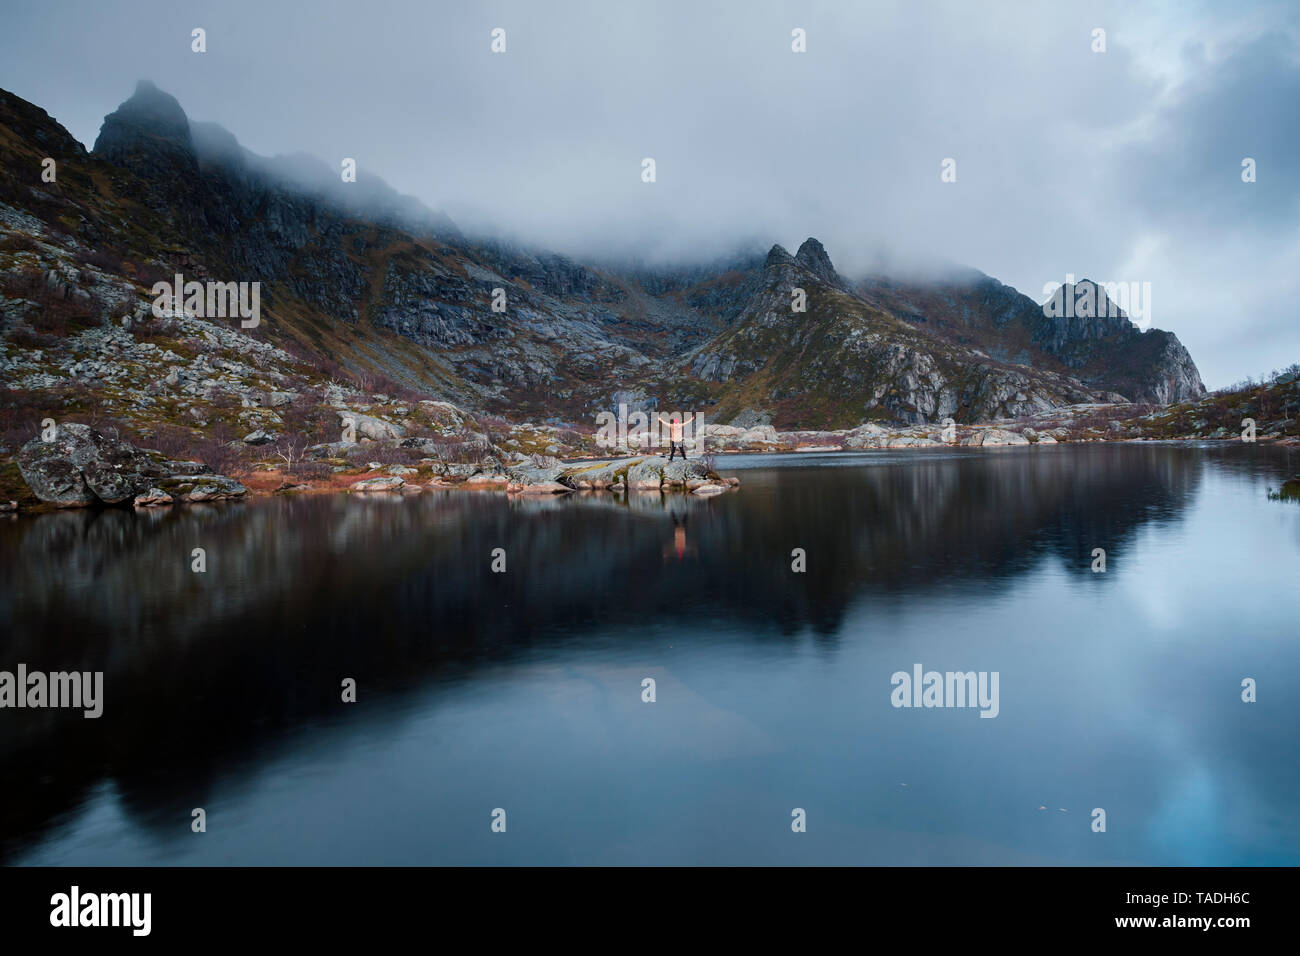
column 1122, row 165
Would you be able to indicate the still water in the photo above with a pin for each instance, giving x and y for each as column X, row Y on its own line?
column 523, row 690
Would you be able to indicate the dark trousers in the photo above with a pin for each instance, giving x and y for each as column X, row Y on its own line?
column 676, row 446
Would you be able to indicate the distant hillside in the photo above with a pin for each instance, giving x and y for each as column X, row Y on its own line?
column 1273, row 403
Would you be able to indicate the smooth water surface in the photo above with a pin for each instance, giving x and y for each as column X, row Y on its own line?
column 523, row 690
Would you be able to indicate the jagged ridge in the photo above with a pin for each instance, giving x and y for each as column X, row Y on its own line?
column 365, row 279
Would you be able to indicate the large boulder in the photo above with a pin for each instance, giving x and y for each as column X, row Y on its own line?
column 391, row 483
column 869, row 435
column 596, row 475
column 646, row 474
column 530, row 473
column 367, row 426
column 454, row 471
column 678, row 473
column 82, row 466
column 995, row 436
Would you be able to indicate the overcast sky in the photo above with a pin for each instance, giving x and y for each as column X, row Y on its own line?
column 1120, row 166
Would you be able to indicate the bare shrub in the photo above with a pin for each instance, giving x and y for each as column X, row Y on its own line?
column 310, row 418
column 21, row 413
column 461, row 452
column 289, row 449
column 103, row 259
column 384, row 454
column 55, row 314
column 221, row 455
column 149, row 275
column 174, row 441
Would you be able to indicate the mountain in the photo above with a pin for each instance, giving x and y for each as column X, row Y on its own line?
column 1103, row 349
column 360, row 282
column 844, row 359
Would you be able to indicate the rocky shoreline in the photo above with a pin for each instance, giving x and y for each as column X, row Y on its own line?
column 82, row 467
column 406, row 447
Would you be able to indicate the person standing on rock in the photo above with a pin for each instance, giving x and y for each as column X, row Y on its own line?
column 675, row 443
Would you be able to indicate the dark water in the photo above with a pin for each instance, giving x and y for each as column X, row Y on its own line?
column 523, row 690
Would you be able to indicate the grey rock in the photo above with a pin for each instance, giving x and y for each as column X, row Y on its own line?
column 82, row 466
column 203, row 488
column 531, row 474
column 152, row 497
column 391, row 483
column 367, row 426
column 647, row 474
column 539, row 488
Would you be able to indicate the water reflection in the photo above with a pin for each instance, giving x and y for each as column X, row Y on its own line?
column 213, row 678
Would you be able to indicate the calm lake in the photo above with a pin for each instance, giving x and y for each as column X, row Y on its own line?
column 523, row 690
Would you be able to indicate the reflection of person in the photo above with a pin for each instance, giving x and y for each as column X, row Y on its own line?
column 679, row 548
column 675, row 442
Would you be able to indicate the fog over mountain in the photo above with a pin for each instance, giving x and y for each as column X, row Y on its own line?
column 1123, row 165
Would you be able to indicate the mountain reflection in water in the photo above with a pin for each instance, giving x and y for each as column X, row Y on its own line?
column 523, row 689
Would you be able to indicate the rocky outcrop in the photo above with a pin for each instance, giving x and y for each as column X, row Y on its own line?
column 813, row 257
column 150, row 134
column 80, row 467
column 552, row 477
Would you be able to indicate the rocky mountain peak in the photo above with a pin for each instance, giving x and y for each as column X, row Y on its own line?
column 146, row 128
column 812, row 256
column 150, row 110
column 777, row 256
column 1101, row 302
